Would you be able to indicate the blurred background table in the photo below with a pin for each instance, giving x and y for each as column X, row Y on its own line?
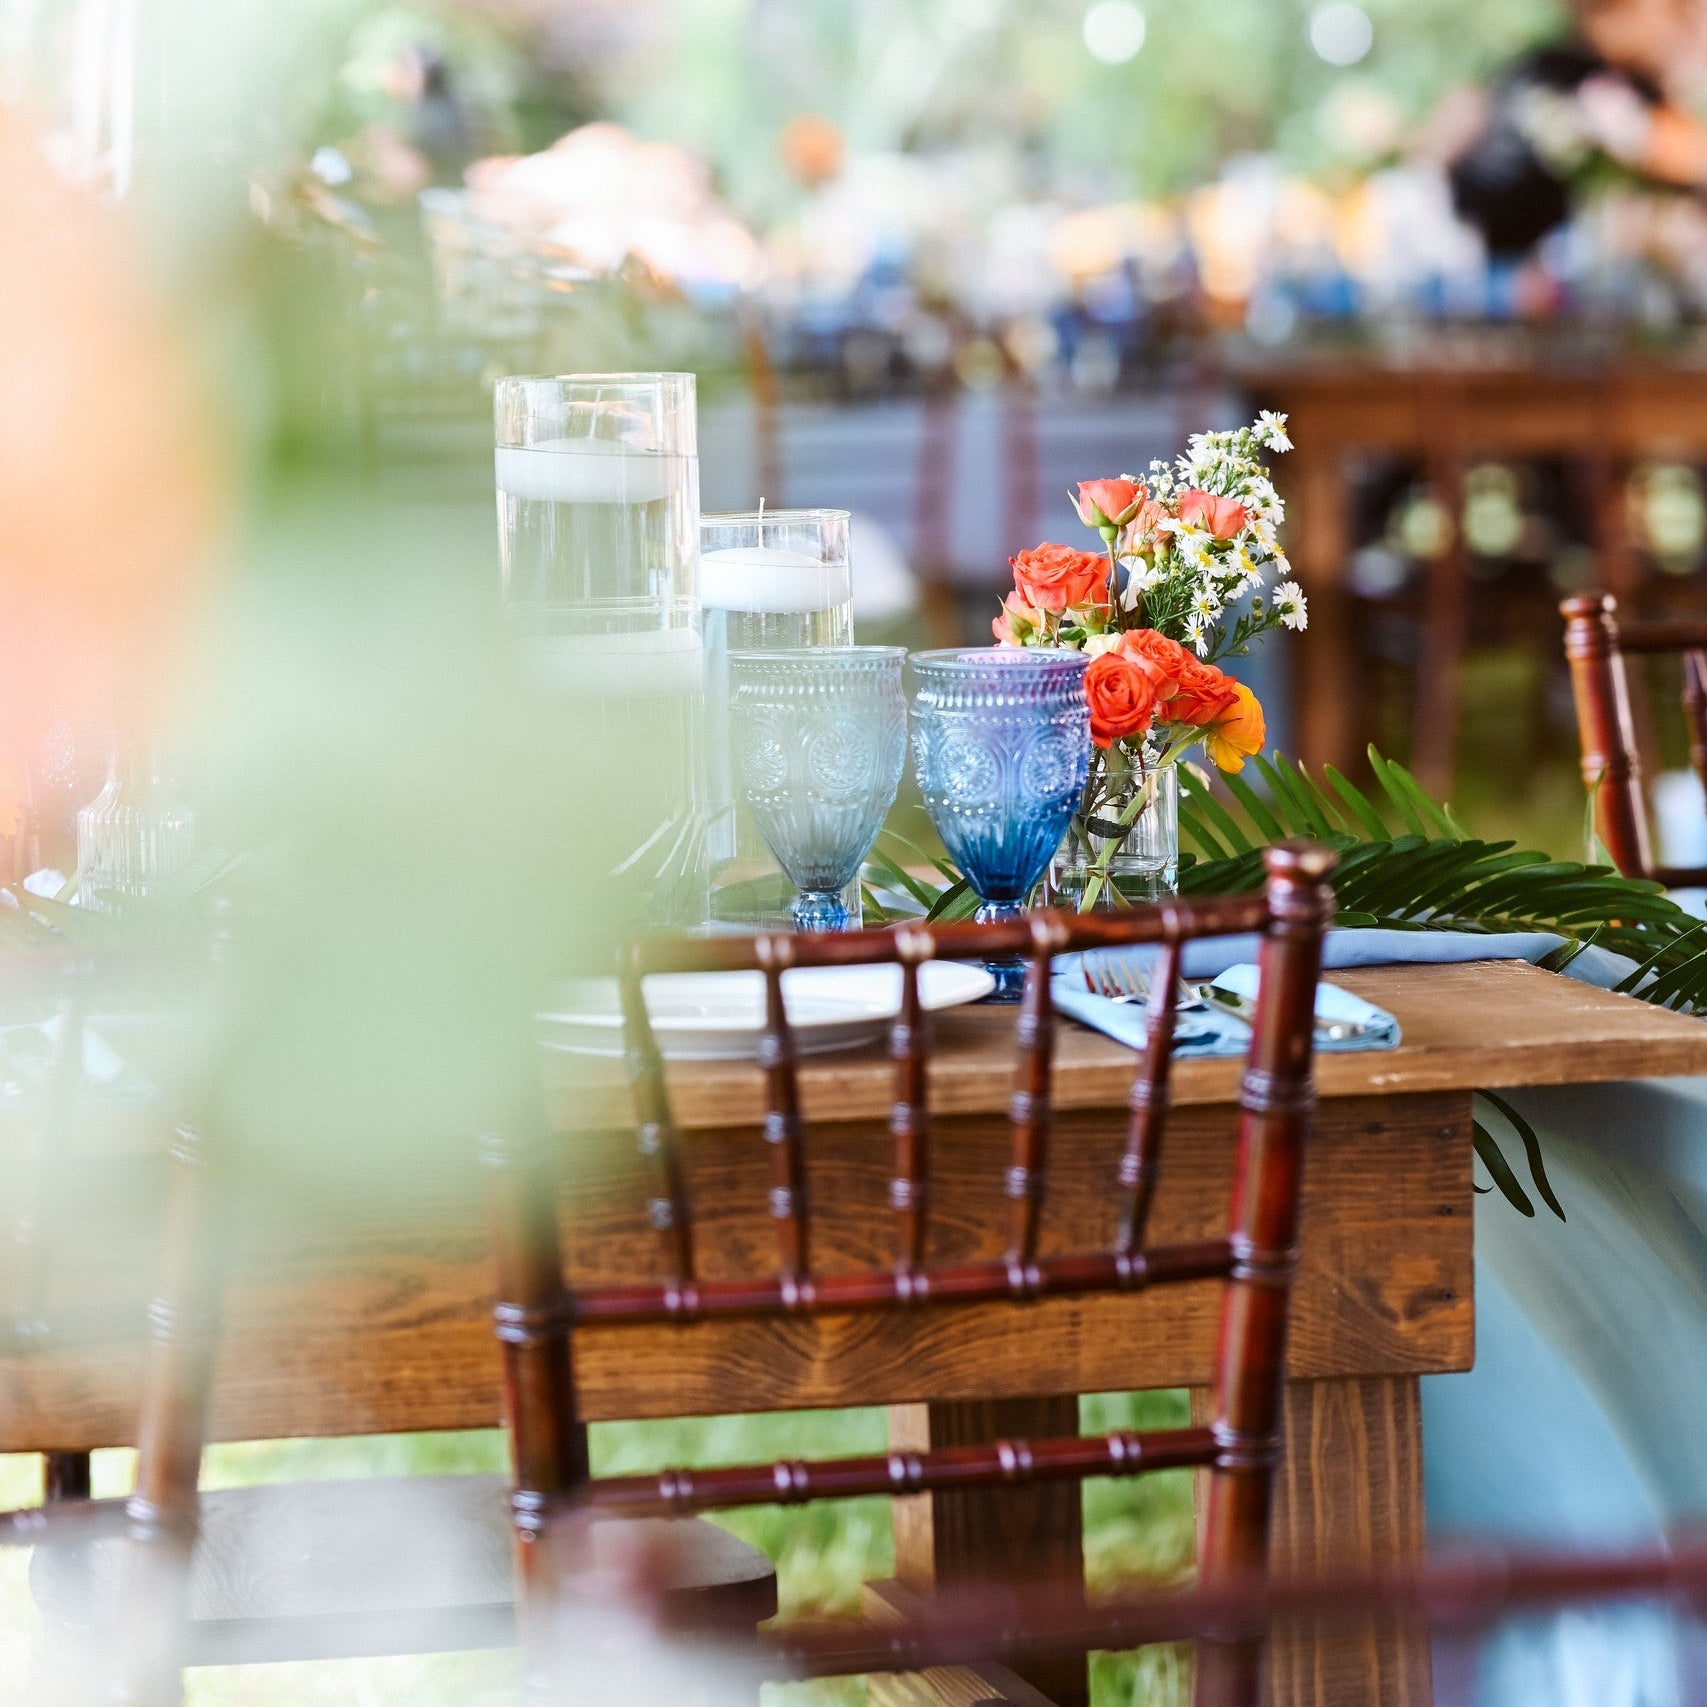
column 1599, row 418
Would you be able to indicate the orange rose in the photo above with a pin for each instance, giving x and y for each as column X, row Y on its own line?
column 1108, row 503
column 1238, row 732
column 1223, row 517
column 1187, row 689
column 1016, row 623
column 1139, row 534
column 1051, row 577
column 1121, row 697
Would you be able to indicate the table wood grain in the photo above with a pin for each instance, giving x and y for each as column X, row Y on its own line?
column 1496, row 1024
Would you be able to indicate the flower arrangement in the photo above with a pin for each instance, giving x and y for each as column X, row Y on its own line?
column 1176, row 589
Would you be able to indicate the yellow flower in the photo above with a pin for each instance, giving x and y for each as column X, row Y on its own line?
column 1237, row 733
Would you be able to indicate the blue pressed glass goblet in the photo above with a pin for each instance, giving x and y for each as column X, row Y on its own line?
column 1001, row 746
column 820, row 738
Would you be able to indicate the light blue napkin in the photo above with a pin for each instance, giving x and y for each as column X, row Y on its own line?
column 1212, row 1030
column 1230, row 960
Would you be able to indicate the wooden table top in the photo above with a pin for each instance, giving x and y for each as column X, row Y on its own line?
column 1487, row 1023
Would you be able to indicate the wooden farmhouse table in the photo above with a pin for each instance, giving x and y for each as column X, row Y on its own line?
column 377, row 1320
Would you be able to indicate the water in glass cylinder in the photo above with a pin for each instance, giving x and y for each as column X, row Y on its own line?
column 598, row 515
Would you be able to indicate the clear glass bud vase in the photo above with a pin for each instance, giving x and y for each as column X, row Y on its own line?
column 133, row 833
column 1123, row 843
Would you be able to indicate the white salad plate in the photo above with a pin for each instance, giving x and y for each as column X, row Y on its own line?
column 720, row 1016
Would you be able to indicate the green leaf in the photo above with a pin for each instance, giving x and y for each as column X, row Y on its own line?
column 1198, row 792
column 1255, row 807
column 1302, row 817
column 1531, row 1149
column 1359, row 805
column 1387, row 775
column 942, row 864
column 901, row 878
column 874, row 910
column 1568, row 950
column 1499, row 1171
column 958, row 901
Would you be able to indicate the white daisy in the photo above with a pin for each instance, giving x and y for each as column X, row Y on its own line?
column 1289, row 605
column 1270, row 430
column 1206, row 603
column 1197, row 632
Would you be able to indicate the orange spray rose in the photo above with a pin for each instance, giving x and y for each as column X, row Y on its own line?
column 1121, row 697
column 1055, row 576
column 1108, row 503
column 1222, row 517
column 1187, row 689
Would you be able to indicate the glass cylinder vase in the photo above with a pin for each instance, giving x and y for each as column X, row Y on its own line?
column 134, row 834
column 1123, row 842
column 598, row 528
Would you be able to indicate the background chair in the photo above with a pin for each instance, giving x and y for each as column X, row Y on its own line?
column 1254, row 1261
column 1597, row 644
column 174, row 1577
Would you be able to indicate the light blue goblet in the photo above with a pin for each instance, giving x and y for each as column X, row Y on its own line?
column 820, row 740
column 1001, row 747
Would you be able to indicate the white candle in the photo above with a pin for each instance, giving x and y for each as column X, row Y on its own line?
column 771, row 579
column 642, row 663
column 584, row 471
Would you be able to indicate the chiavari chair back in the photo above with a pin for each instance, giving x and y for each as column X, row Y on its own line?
column 1253, row 1261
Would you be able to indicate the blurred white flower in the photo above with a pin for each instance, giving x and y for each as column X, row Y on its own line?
column 1270, row 430
column 1289, row 605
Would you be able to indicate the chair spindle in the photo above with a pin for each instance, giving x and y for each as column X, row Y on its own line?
column 788, row 1205
column 909, row 1121
column 655, row 1131
column 1029, row 1113
column 1141, row 1160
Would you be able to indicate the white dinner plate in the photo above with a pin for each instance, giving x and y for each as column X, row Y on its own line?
column 719, row 1016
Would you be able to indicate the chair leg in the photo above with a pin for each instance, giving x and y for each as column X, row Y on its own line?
column 65, row 1477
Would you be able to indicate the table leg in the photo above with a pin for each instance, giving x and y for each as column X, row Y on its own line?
column 1348, row 1494
column 65, row 1476
column 968, row 1534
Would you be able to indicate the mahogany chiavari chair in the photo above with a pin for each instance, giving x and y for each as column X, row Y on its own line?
column 1254, row 1261
column 1597, row 644
column 134, row 1590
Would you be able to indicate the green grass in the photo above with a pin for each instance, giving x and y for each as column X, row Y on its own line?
column 1139, row 1528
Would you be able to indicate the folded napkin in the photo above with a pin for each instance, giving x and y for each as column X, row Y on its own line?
column 1212, row 1030
column 1230, row 961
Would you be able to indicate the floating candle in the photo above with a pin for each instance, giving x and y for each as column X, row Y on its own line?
column 584, row 471
column 771, row 579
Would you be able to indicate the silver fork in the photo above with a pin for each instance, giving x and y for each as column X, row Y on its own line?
column 1117, row 978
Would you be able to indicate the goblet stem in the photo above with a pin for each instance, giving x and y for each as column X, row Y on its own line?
column 1009, row 974
column 820, row 910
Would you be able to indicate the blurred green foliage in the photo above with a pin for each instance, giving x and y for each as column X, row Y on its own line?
column 1214, row 77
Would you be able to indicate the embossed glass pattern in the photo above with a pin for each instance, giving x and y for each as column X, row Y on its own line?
column 820, row 741
column 1001, row 745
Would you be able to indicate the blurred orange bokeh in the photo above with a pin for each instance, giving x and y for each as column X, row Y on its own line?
column 106, row 472
column 811, row 149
